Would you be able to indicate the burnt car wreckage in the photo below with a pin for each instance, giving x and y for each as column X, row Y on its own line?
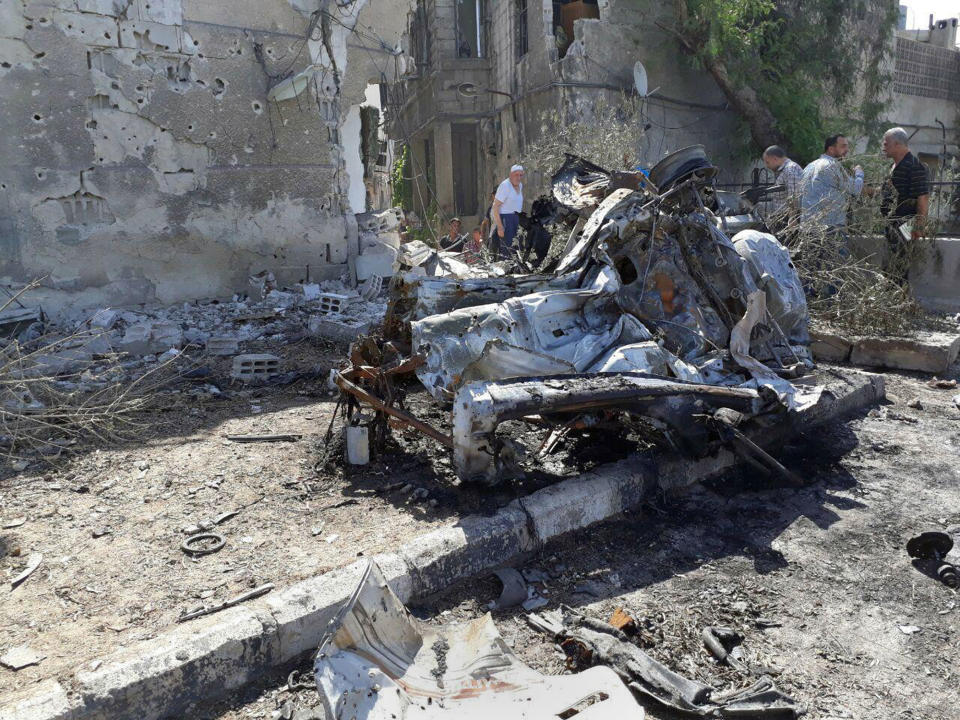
column 667, row 310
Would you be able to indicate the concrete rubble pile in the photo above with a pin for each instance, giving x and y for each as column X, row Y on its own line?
column 142, row 338
column 655, row 313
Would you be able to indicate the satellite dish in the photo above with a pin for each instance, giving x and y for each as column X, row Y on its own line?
column 292, row 86
column 640, row 78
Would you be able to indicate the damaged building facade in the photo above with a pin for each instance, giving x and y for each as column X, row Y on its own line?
column 488, row 73
column 158, row 151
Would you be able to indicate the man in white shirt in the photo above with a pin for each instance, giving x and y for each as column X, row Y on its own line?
column 507, row 203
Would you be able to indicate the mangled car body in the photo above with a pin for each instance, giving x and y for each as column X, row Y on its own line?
column 653, row 311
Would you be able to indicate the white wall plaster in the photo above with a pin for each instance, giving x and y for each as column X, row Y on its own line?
column 350, row 136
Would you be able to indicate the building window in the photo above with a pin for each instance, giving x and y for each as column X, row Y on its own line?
column 420, row 36
column 521, row 28
column 471, row 28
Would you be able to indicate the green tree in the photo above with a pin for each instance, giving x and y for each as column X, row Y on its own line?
column 793, row 69
column 401, row 180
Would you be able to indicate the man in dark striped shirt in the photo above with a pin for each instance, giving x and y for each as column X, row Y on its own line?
column 906, row 196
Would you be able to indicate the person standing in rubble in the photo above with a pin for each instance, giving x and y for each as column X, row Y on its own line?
column 826, row 188
column 507, row 205
column 906, row 201
column 782, row 210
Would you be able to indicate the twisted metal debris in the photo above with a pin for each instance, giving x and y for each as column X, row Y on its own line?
column 656, row 311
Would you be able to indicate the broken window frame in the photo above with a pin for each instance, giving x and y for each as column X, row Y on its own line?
column 521, row 29
column 420, row 36
column 478, row 43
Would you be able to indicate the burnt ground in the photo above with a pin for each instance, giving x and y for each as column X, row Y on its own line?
column 816, row 579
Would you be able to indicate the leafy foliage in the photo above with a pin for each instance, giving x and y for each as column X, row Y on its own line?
column 401, row 179
column 816, row 64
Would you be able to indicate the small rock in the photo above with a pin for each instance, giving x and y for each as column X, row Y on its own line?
column 408, row 488
column 915, row 404
column 205, row 524
column 909, row 629
column 332, row 538
column 19, row 657
column 100, row 532
column 433, row 502
column 21, row 465
column 316, row 530
column 956, row 401
column 190, row 529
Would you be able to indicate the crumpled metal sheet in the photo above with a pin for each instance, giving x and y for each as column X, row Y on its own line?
column 439, row 295
column 378, row 662
column 773, row 272
column 546, row 333
column 579, row 184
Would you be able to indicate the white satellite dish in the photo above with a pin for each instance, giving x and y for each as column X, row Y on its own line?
column 640, row 78
column 292, row 86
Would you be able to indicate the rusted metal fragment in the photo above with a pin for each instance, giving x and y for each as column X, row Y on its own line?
column 478, row 409
column 401, row 415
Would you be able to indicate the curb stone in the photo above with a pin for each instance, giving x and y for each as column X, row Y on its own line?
column 212, row 656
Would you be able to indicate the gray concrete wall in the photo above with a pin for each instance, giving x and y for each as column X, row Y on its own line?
column 142, row 161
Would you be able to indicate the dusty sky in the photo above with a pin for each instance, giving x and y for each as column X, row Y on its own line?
column 919, row 11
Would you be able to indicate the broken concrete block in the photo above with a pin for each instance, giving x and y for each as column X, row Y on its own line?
column 252, row 368
column 104, row 318
column 928, row 352
column 344, row 330
column 371, row 287
column 222, row 346
column 383, row 264
column 166, row 335
column 136, row 339
column 311, row 291
column 280, row 299
column 828, row 347
column 331, row 303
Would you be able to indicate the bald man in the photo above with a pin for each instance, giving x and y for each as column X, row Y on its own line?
column 507, row 205
column 906, row 197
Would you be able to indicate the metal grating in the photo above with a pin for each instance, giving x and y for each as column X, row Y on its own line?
column 927, row 70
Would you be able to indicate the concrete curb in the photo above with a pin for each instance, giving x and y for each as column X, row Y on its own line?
column 927, row 352
column 209, row 657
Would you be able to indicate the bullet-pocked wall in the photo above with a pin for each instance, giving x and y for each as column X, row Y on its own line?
column 141, row 160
